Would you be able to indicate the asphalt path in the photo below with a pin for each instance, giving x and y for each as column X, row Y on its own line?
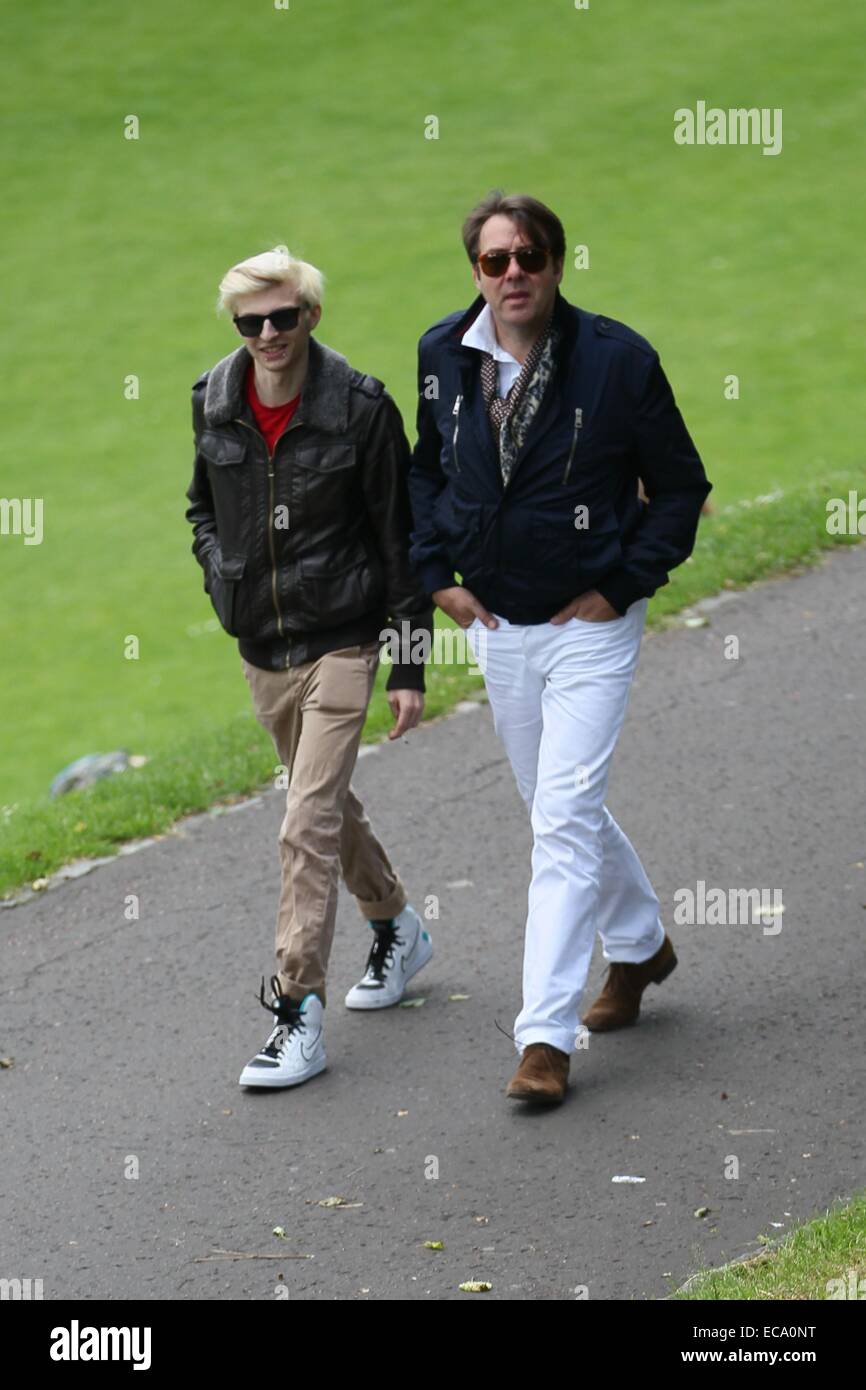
column 132, row 1160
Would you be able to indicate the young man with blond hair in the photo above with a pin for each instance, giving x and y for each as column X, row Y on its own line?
column 301, row 520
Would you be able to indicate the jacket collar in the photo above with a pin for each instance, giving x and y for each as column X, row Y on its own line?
column 566, row 318
column 324, row 400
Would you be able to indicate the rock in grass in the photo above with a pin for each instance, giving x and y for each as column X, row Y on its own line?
column 89, row 769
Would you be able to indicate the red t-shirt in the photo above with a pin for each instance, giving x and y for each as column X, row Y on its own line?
column 271, row 419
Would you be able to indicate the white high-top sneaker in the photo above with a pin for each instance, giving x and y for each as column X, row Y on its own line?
column 295, row 1050
column 400, row 948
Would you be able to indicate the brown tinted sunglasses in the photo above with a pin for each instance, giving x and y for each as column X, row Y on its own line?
column 532, row 259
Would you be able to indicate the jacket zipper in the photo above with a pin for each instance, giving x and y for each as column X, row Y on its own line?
column 578, row 426
column 456, row 413
column 271, row 529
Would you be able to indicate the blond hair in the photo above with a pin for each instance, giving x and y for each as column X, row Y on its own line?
column 275, row 267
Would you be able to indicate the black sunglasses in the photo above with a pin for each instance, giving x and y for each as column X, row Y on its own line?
column 529, row 258
column 251, row 325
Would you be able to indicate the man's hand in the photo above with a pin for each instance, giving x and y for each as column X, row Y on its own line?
column 591, row 607
column 407, row 706
column 462, row 606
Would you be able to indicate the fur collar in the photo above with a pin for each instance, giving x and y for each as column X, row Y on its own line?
column 324, row 400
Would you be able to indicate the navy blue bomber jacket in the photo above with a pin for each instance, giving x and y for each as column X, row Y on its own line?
column 570, row 518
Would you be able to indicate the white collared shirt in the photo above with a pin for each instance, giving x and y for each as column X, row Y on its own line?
column 482, row 335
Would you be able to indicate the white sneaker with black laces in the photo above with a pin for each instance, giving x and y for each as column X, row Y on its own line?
column 400, row 948
column 295, row 1050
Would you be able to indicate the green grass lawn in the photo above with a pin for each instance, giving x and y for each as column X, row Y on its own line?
column 306, row 126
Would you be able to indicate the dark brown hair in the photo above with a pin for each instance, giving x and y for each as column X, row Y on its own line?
column 533, row 218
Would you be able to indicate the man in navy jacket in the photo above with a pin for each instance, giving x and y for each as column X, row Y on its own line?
column 536, row 421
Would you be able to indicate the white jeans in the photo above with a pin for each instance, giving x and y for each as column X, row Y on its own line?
column 558, row 695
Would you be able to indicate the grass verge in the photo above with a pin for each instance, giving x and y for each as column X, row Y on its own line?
column 824, row 1259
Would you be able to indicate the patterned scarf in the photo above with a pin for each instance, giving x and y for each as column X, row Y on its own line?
column 511, row 417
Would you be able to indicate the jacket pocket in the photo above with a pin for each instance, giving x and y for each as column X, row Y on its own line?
column 221, row 448
column 599, row 547
column 460, row 523
column 226, row 574
column 327, row 476
column 575, row 437
column 456, row 433
column 567, row 555
column 230, row 480
column 327, row 461
column 333, row 594
column 554, row 553
column 327, row 455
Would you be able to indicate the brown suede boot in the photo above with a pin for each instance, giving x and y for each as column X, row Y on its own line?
column 619, row 1001
column 541, row 1076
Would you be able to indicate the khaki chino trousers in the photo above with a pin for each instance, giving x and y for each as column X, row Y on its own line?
column 315, row 715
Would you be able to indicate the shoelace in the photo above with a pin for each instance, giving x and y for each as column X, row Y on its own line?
column 289, row 1015
column 382, row 951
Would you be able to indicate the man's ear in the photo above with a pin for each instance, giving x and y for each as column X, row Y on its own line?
column 558, row 271
column 314, row 313
column 476, row 275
